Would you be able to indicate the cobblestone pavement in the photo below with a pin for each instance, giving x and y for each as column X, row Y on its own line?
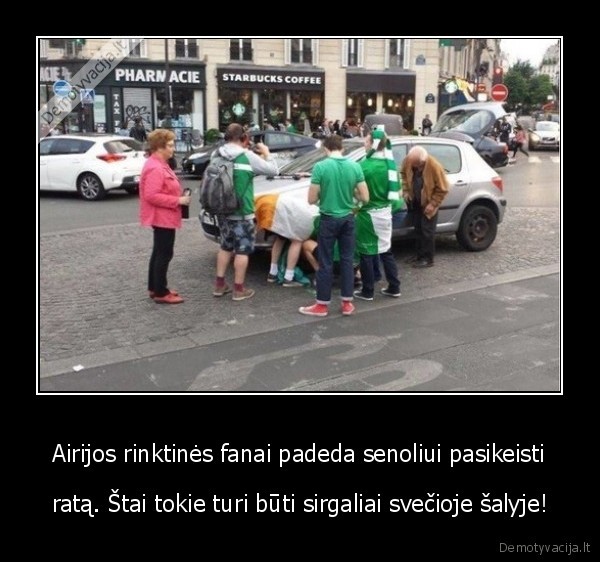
column 93, row 295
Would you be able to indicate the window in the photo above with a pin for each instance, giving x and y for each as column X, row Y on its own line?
column 43, row 48
column 352, row 52
column 186, row 48
column 240, row 49
column 302, row 51
column 447, row 155
column 396, row 53
column 136, row 49
column 68, row 146
column 56, row 43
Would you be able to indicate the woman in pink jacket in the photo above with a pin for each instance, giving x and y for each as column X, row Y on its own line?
column 160, row 207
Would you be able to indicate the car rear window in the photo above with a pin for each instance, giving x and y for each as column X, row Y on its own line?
column 122, row 145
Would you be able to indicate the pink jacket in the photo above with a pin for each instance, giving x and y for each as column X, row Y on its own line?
column 160, row 191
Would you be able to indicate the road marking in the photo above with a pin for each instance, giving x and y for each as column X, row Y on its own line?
column 555, row 159
column 535, row 160
column 231, row 375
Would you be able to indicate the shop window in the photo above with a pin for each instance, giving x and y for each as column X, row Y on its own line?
column 235, row 106
column 352, row 52
column 186, row 48
column 400, row 104
column 360, row 104
column 178, row 117
column 306, row 110
column 240, row 49
column 396, row 53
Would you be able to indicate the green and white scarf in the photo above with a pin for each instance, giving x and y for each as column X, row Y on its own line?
column 393, row 178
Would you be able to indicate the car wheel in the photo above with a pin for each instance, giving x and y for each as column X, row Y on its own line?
column 478, row 228
column 90, row 187
column 132, row 190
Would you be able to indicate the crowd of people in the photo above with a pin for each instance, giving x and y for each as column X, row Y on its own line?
column 349, row 236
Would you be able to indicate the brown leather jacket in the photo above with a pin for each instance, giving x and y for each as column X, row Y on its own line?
column 435, row 183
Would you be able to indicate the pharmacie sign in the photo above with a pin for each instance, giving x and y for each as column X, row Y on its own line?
column 179, row 76
column 131, row 75
column 275, row 79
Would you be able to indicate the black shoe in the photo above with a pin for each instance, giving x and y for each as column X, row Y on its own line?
column 412, row 259
column 391, row 292
column 423, row 263
column 362, row 297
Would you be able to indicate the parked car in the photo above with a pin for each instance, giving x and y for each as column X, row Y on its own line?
column 472, row 209
column 92, row 165
column 475, row 123
column 545, row 134
column 283, row 145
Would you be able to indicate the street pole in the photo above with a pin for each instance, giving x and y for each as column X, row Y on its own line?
column 168, row 113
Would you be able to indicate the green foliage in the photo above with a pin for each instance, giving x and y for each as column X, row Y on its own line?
column 526, row 91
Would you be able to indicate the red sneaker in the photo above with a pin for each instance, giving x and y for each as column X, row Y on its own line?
column 316, row 309
column 169, row 298
column 347, row 308
column 152, row 294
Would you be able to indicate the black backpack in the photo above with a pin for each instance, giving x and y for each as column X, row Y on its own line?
column 217, row 192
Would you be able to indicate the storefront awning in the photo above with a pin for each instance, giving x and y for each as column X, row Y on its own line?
column 396, row 82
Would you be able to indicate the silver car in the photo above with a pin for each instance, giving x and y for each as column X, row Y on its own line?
column 472, row 209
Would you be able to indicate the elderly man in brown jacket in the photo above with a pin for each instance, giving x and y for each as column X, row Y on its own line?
column 424, row 187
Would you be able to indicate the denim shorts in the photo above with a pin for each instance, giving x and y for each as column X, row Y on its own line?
column 237, row 235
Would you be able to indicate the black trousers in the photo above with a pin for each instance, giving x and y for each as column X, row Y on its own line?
column 162, row 253
column 425, row 233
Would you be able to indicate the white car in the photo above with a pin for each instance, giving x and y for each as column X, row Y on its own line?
column 472, row 209
column 92, row 165
column 546, row 134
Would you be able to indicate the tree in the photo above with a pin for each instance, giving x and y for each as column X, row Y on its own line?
column 539, row 89
column 517, row 89
column 526, row 90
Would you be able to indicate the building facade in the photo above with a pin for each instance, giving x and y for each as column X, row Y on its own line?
column 194, row 83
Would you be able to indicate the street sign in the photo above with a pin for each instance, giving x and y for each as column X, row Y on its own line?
column 499, row 92
column 87, row 96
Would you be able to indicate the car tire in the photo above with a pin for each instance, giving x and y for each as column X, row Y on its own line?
column 90, row 187
column 132, row 190
column 477, row 229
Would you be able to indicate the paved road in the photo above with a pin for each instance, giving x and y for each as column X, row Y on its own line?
column 94, row 310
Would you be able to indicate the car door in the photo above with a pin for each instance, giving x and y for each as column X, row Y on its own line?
column 65, row 161
column 452, row 159
column 45, row 145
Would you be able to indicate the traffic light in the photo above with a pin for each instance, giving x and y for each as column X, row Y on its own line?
column 498, row 77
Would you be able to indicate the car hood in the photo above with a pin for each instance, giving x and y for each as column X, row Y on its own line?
column 279, row 184
column 547, row 134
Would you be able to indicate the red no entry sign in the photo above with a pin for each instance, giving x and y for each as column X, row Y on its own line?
column 499, row 92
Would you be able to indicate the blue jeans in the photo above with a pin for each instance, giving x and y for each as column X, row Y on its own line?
column 332, row 230
column 367, row 272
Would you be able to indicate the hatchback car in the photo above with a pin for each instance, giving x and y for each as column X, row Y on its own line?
column 472, row 209
column 475, row 123
column 283, row 145
column 92, row 165
column 545, row 134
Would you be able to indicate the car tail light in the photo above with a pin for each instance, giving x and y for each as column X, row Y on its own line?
column 111, row 157
column 497, row 181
